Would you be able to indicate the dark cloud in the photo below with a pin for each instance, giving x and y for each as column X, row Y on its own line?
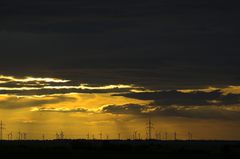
column 14, row 102
column 155, row 43
column 195, row 98
column 74, row 110
column 212, row 112
column 59, row 91
column 123, row 109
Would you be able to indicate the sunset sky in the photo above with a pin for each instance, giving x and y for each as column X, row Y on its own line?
column 92, row 66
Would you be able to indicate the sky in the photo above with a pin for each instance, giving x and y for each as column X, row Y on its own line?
column 95, row 66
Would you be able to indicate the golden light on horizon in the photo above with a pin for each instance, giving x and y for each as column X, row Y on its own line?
column 110, row 109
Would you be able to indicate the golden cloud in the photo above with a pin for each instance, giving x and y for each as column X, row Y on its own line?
column 6, row 79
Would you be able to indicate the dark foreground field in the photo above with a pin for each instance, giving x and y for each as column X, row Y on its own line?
column 120, row 149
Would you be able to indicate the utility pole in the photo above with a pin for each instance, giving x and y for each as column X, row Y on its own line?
column 100, row 135
column 189, row 136
column 88, row 136
column 135, row 135
column 149, row 128
column 19, row 135
column 159, row 136
column 24, row 136
column 166, row 136
column 156, row 135
column 10, row 136
column 119, row 136
column 43, row 137
column 1, row 130
column 175, row 136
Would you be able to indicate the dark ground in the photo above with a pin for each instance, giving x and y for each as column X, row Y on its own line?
column 115, row 149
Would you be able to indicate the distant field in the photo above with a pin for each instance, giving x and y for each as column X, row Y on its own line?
column 121, row 149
